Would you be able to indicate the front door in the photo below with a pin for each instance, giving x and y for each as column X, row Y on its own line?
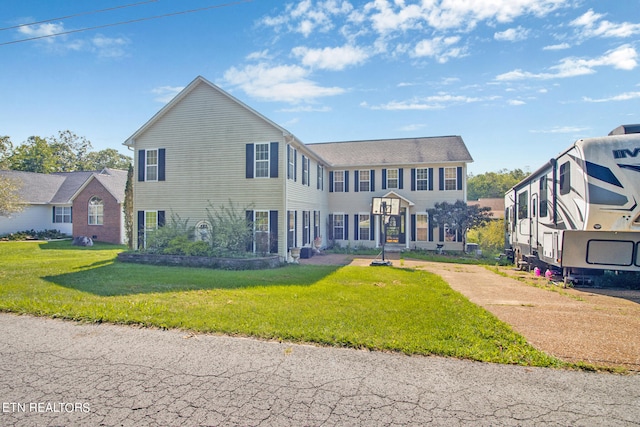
column 396, row 228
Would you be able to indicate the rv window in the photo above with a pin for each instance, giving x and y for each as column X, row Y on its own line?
column 565, row 178
column 543, row 196
column 523, row 205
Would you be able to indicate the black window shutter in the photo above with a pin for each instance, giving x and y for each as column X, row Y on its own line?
column 140, row 229
column 441, row 234
column 372, row 227
column 441, row 179
column 431, row 227
column 413, row 227
column 331, row 182
column 248, row 214
column 373, row 180
column 356, row 181
column 384, row 179
column 346, row 227
column 295, row 165
column 162, row 153
column 330, row 234
column 288, row 161
column 273, row 160
column 356, row 228
column 400, row 178
column 295, row 229
column 413, row 179
column 318, row 177
column 161, row 219
column 459, row 173
column 249, row 161
column 141, row 164
column 430, row 179
column 273, row 227
column 53, row 209
column 71, row 214
column 346, row 181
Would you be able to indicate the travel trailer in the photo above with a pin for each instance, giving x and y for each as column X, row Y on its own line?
column 578, row 214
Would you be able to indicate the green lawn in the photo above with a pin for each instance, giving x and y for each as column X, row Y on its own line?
column 380, row 308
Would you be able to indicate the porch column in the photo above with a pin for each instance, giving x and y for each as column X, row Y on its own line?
column 407, row 227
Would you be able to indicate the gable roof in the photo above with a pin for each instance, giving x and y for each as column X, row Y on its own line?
column 62, row 187
column 405, row 151
column 186, row 91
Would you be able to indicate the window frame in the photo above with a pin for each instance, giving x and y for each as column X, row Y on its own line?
column 320, row 178
column 151, row 166
column 264, row 163
column 364, row 180
column 200, row 235
column 147, row 229
column 564, row 178
column 421, row 181
column 364, row 230
column 337, row 181
column 390, row 179
column 336, row 227
column 60, row 218
column 260, row 219
column 448, row 180
column 306, row 164
column 424, row 229
column 95, row 211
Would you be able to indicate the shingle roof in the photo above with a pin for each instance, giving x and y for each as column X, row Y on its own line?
column 442, row 149
column 60, row 188
column 36, row 188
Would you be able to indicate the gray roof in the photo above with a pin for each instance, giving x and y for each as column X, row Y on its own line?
column 60, row 188
column 405, row 151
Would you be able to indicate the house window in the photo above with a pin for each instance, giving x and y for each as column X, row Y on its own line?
column 306, row 227
column 320, row 183
column 316, row 224
column 450, row 234
column 150, row 224
column 62, row 214
column 422, row 227
column 305, row 170
column 450, row 179
column 203, row 231
column 364, row 227
column 338, row 181
column 392, row 178
column 96, row 211
column 292, row 155
column 422, row 179
column 261, row 231
column 151, row 165
column 565, row 178
column 262, row 160
column 291, row 235
column 364, row 178
column 338, row 227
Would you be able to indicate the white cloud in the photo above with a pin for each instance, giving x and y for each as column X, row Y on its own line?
column 337, row 58
column 621, row 58
column 440, row 48
column 562, row 129
column 264, row 54
column 512, row 34
column 287, row 83
column 591, row 25
column 305, row 109
column 516, row 102
column 42, row 30
column 166, row 93
column 560, row 46
column 435, row 102
column 307, row 17
column 412, row 127
column 622, row 97
column 109, row 47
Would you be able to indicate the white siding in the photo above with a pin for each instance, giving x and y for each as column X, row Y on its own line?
column 36, row 217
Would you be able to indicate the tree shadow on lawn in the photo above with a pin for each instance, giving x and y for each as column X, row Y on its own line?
column 112, row 278
column 65, row 245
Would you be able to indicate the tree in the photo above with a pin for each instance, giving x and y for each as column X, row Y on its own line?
column 35, row 155
column 459, row 217
column 128, row 207
column 107, row 158
column 490, row 236
column 10, row 200
column 70, row 151
column 5, row 151
column 493, row 184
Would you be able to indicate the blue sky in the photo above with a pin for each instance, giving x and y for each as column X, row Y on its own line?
column 519, row 80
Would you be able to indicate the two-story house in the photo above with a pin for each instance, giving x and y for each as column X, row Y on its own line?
column 206, row 148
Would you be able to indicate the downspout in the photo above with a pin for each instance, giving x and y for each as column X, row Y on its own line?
column 285, row 216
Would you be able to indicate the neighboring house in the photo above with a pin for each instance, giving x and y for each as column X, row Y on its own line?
column 496, row 205
column 75, row 203
column 206, row 148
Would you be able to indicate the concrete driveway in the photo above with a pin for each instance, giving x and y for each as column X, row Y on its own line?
column 64, row 373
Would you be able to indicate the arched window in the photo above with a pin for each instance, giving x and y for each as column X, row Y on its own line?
column 96, row 211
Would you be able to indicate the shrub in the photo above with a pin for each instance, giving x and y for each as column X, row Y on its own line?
column 626, row 279
column 490, row 237
column 160, row 239
column 35, row 235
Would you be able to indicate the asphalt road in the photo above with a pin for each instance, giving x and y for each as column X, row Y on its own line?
column 63, row 373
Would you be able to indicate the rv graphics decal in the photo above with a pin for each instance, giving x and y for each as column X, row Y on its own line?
column 626, row 152
column 631, row 167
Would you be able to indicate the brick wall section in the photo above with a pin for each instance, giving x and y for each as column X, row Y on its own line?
column 109, row 231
